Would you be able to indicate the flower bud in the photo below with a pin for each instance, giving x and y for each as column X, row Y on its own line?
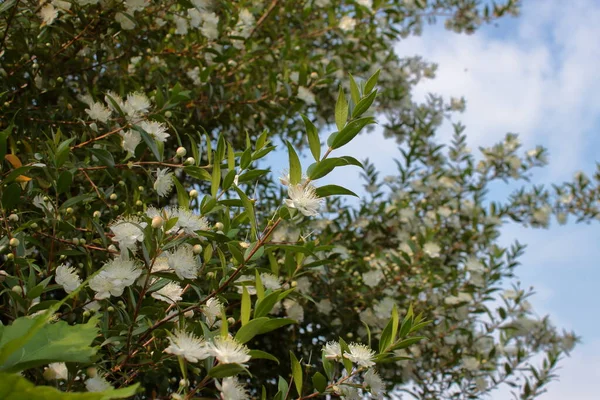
column 75, row 241
column 86, row 314
column 92, row 372
column 113, row 196
column 168, row 114
column 96, row 214
column 219, row 226
column 82, row 241
column 115, row 207
column 141, row 188
column 3, row 275
column 14, row 242
column 49, row 374
column 69, row 210
column 188, row 314
column 190, row 161
column 13, row 218
column 181, row 152
column 110, row 309
column 34, row 225
column 17, row 289
column 112, row 248
column 197, row 249
column 121, row 183
column 157, row 222
column 193, row 193
column 139, row 203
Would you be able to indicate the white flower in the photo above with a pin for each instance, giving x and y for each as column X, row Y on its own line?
column 212, row 310
column 86, row 2
column 189, row 222
column 116, row 99
column 228, row 351
column 374, row 382
column 135, row 5
column 183, row 262
column 304, row 199
column 181, row 24
column 114, row 277
column 92, row 306
column 59, row 370
column 39, row 202
column 97, row 384
column 270, row 281
column 347, row 23
column 127, row 232
column 126, row 23
column 293, row 310
column 322, row 3
column 48, row 14
column 232, row 389
column 63, row 5
column 170, row 293
column 98, row 112
column 481, row 383
column 372, row 278
column 333, row 350
column 131, row 139
column 210, row 27
column 474, row 265
column 67, row 278
column 195, row 17
column 365, row 3
column 461, row 298
column 138, row 102
column 470, row 363
column 187, row 345
column 349, row 392
column 324, row 306
column 164, row 182
column 360, row 354
column 157, row 130
column 432, row 249
column 304, row 285
column 306, row 95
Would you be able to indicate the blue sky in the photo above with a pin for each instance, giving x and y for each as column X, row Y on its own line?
column 536, row 75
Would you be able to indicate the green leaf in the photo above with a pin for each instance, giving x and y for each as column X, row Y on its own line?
column 324, row 167
column 406, row 342
column 251, row 329
column 150, row 142
column 62, row 152
column 182, row 196
column 275, row 323
column 246, row 307
column 216, row 178
column 407, row 322
column 252, row 175
column 249, row 210
column 260, row 289
column 354, row 92
column 54, row 342
column 15, row 387
column 371, row 82
column 395, row 320
column 350, row 131
column 263, row 306
column 225, row 370
column 364, row 105
column 347, row 363
column 11, row 196
column 198, row 173
column 331, row 190
column 7, row 5
column 319, row 382
column 263, row 355
column 296, row 373
column 341, row 110
column 230, row 157
column 103, row 156
column 295, row 166
column 313, row 138
column 64, row 181
column 4, row 138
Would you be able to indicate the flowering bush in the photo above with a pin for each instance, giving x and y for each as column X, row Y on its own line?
column 148, row 252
